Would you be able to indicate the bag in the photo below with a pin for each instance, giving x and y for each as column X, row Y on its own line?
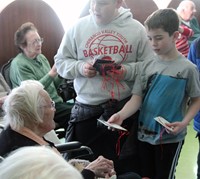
column 66, row 90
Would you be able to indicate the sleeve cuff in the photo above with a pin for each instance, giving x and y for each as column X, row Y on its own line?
column 87, row 174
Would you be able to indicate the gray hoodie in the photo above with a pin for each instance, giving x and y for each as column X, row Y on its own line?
column 124, row 41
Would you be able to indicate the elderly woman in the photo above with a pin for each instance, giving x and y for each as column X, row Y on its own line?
column 29, row 112
column 31, row 64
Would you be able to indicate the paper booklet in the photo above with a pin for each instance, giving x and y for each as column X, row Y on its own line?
column 163, row 122
column 112, row 125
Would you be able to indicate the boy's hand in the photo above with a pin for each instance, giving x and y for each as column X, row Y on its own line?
column 177, row 127
column 116, row 119
column 89, row 71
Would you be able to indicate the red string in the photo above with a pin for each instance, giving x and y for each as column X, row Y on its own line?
column 107, row 80
column 118, row 145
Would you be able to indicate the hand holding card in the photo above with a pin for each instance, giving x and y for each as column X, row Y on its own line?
column 163, row 122
column 102, row 66
column 112, row 125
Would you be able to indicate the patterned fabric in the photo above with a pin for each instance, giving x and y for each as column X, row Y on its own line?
column 182, row 42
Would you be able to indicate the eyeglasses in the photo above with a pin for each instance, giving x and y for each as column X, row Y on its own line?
column 37, row 42
column 53, row 105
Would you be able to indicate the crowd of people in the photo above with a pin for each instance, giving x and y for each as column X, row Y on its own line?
column 123, row 72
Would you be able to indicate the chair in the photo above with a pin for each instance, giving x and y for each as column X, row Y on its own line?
column 74, row 147
column 5, row 71
column 75, row 150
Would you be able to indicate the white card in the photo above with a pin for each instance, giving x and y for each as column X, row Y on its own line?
column 163, row 122
column 112, row 125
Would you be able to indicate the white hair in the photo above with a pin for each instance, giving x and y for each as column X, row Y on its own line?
column 184, row 4
column 37, row 162
column 22, row 105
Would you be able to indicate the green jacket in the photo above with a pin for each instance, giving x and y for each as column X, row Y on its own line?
column 194, row 25
column 23, row 68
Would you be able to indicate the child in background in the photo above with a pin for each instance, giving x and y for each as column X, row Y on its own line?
column 162, row 88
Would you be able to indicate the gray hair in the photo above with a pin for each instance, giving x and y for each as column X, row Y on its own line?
column 21, row 32
column 36, row 162
column 183, row 5
column 22, row 105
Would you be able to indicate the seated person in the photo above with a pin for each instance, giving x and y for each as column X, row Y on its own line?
column 36, row 162
column 31, row 64
column 29, row 113
column 4, row 90
column 186, row 10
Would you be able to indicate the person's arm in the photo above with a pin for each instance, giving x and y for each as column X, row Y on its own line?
column 51, row 74
column 56, row 79
column 129, row 109
column 70, row 67
column 134, row 103
column 66, row 60
column 193, row 108
column 25, row 71
column 186, row 31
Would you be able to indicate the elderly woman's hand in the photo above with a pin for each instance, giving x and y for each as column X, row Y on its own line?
column 102, row 167
column 53, row 71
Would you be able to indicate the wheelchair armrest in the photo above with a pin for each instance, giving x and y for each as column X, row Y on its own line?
column 88, row 149
column 1, row 159
column 74, row 149
column 74, row 145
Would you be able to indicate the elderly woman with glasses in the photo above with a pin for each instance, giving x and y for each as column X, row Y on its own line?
column 31, row 64
column 29, row 113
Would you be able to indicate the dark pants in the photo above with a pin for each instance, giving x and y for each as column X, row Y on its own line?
column 159, row 161
column 84, row 128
